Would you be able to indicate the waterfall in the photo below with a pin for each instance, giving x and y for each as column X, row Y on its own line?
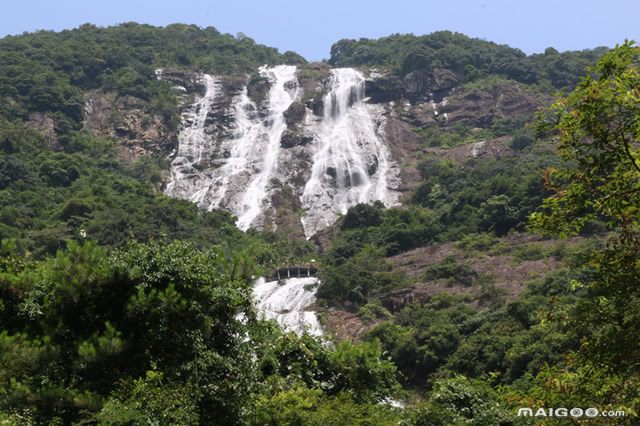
column 195, row 147
column 287, row 302
column 242, row 183
column 351, row 163
column 267, row 143
column 343, row 161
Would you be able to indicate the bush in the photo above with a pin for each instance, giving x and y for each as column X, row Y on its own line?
column 462, row 401
column 459, row 273
column 521, row 141
column 475, row 243
column 532, row 251
column 373, row 311
column 363, row 216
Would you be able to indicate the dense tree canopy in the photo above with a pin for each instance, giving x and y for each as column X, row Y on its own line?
column 97, row 328
column 473, row 58
column 153, row 331
column 598, row 131
column 47, row 71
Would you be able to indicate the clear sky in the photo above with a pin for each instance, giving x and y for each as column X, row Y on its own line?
column 311, row 27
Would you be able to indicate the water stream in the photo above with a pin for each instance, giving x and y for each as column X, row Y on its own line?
column 266, row 143
column 287, row 301
column 345, row 163
column 194, row 146
column 351, row 163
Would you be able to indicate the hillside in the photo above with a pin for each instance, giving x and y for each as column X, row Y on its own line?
column 94, row 83
column 148, row 175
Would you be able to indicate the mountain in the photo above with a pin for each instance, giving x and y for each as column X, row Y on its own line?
column 314, row 141
column 309, row 141
column 404, row 167
column 413, row 93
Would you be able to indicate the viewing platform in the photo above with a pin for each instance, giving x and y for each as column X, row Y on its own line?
column 295, row 271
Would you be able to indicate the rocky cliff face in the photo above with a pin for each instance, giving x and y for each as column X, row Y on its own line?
column 440, row 100
column 257, row 145
column 42, row 122
column 127, row 121
column 287, row 149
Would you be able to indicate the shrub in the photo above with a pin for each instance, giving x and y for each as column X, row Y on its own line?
column 449, row 267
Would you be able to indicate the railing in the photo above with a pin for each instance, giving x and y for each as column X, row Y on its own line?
column 295, row 271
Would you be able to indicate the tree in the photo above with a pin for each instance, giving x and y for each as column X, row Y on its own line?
column 151, row 333
column 498, row 214
column 363, row 215
column 88, row 322
column 151, row 401
column 598, row 130
column 598, row 133
column 459, row 401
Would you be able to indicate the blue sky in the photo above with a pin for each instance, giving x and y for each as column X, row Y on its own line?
column 311, row 27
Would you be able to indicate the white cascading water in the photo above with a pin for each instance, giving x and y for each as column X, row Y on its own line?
column 254, row 150
column 287, row 303
column 351, row 163
column 242, row 183
column 236, row 164
column 194, row 146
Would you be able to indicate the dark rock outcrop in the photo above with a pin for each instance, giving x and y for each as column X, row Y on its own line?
column 295, row 114
column 480, row 108
column 384, row 89
column 416, row 85
column 291, row 138
column 258, row 89
column 403, row 143
column 313, row 75
column 316, row 104
column 294, row 134
column 422, row 115
column 444, row 79
column 183, row 81
column 286, row 218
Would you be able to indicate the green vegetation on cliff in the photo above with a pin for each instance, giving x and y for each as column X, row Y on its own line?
column 85, row 191
column 97, row 328
column 57, row 186
column 47, row 71
column 470, row 57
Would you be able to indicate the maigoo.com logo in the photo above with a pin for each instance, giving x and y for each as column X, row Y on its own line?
column 565, row 412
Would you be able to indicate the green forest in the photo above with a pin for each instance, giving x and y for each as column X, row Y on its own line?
column 120, row 305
